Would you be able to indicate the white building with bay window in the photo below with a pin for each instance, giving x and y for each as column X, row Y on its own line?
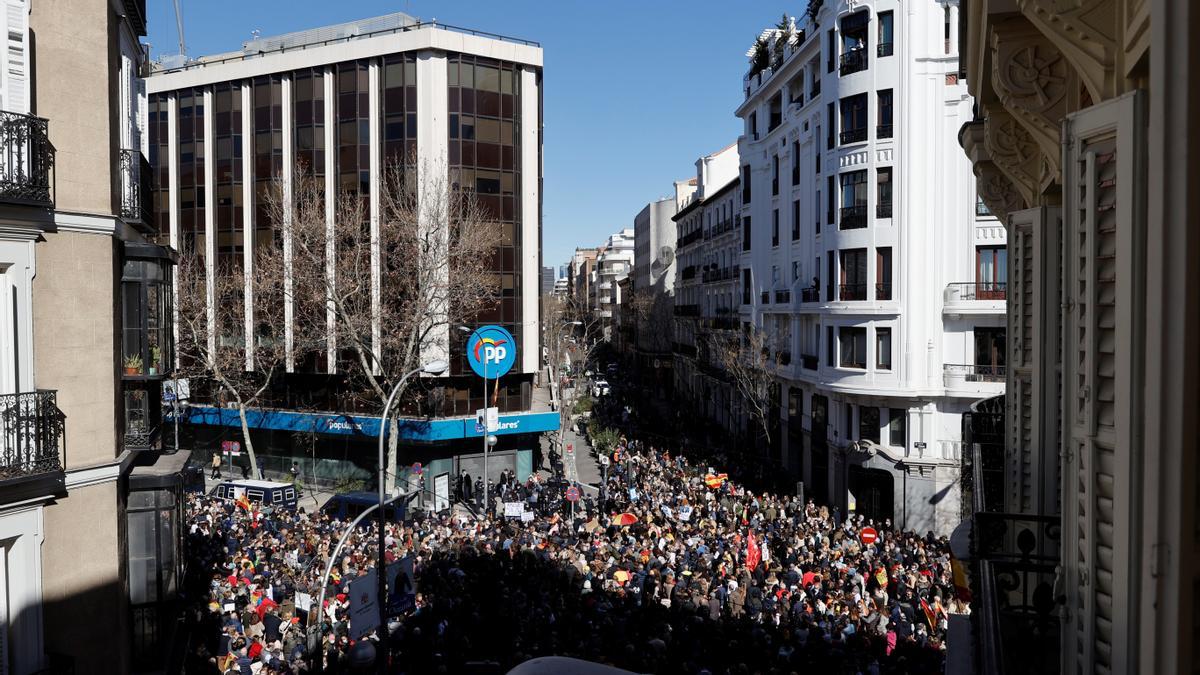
column 879, row 282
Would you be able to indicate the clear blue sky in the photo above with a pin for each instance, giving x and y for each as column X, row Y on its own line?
column 634, row 91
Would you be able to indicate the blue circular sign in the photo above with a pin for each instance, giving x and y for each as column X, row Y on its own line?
column 491, row 351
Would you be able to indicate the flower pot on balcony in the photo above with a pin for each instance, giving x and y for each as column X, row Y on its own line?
column 132, row 370
column 153, row 370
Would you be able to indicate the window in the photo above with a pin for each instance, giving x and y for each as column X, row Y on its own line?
column 829, row 261
column 795, row 163
column 795, row 219
column 853, row 280
column 885, row 34
column 753, row 123
column 946, row 27
column 989, row 354
column 745, row 233
column 883, row 128
column 854, row 119
column 745, row 286
column 991, row 273
column 830, row 191
column 775, row 175
column 868, row 423
column 848, row 420
column 829, row 346
column 981, row 209
column 898, row 427
column 746, row 184
column 883, row 348
column 775, row 227
column 883, row 192
column 831, row 51
column 831, row 125
column 883, row 273
column 854, row 42
column 852, row 347
column 817, row 213
column 795, row 271
column 854, row 200
column 776, row 111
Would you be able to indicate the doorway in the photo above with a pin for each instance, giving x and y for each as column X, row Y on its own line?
column 873, row 491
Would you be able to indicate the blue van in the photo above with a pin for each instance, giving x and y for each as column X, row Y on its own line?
column 348, row 505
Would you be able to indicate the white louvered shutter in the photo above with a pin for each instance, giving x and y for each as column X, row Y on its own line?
column 15, row 97
column 1103, row 180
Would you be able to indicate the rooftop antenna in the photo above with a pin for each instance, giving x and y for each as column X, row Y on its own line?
column 255, row 33
column 179, row 28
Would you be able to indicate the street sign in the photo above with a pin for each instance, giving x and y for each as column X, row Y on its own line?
column 868, row 535
column 491, row 351
column 603, row 460
column 231, row 448
column 417, row 468
column 919, row 445
column 572, row 494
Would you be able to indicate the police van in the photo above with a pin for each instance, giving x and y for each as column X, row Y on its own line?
column 261, row 492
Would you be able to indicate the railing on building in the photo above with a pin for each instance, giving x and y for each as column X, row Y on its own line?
column 971, row 291
column 26, row 160
column 808, row 361
column 853, row 135
column 783, row 297
column 853, row 61
column 137, row 188
column 689, row 238
column 884, row 49
column 688, row 272
column 815, row 90
column 851, row 292
column 32, row 434
column 687, row 310
column 883, row 131
column 810, row 295
column 883, row 290
column 853, row 217
column 974, row 373
column 883, row 209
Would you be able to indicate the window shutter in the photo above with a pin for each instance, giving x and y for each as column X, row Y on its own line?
column 1102, row 210
column 16, row 71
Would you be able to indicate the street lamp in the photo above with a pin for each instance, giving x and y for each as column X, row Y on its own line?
column 432, row 368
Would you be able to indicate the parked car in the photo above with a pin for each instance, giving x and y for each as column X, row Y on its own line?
column 348, row 505
column 601, row 388
column 262, row 492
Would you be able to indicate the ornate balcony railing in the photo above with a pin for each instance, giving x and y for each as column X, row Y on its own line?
column 974, row 373
column 853, row 61
column 137, row 188
column 853, row 217
column 782, row 297
column 854, row 135
column 26, row 160
column 32, row 434
column 972, row 291
column 850, row 292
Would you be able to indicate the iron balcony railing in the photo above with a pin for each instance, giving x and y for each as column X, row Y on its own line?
column 808, row 361
column 810, row 295
column 853, row 217
column 883, row 290
column 687, row 310
column 884, row 49
column 883, row 209
column 26, row 160
column 854, row 135
column 853, row 61
column 883, row 131
column 688, row 272
column 689, row 238
column 972, row 291
column 137, row 188
column 32, row 434
column 850, row 292
column 783, row 297
column 974, row 373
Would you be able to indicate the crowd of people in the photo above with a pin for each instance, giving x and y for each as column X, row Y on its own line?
column 667, row 567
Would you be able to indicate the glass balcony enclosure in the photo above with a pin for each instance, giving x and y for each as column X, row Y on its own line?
column 146, row 339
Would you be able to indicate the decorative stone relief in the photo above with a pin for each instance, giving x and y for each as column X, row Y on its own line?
column 1087, row 33
column 997, row 190
column 1032, row 78
column 1012, row 149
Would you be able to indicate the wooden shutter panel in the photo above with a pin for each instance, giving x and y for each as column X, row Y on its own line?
column 1103, row 228
column 16, row 57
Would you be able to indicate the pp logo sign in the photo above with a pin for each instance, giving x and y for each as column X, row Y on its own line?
column 491, row 351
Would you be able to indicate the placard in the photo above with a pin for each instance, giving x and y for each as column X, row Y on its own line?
column 441, row 492
column 513, row 509
column 364, row 613
column 526, row 516
column 303, row 601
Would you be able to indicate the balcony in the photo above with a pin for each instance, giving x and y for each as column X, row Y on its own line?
column 137, row 188
column 688, row 272
column 815, row 90
column 853, row 136
column 810, row 295
column 975, row 298
column 783, row 358
column 32, row 438
column 883, row 209
column 808, row 361
column 973, row 380
column 853, row 217
column 689, row 239
column 883, row 290
column 783, row 297
column 853, row 61
column 884, row 49
column 883, row 131
column 26, row 160
column 687, row 310
column 851, row 292
column 766, row 297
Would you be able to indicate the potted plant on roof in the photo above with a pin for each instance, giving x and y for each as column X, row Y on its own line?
column 155, row 359
column 133, row 365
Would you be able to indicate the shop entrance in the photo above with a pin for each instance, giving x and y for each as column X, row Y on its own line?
column 873, row 491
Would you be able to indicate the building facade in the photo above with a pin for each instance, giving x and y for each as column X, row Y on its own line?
column 879, row 284
column 346, row 103
column 1083, row 144
column 86, row 347
column 581, row 276
column 614, row 262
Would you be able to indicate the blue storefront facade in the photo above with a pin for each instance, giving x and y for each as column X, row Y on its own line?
column 339, row 451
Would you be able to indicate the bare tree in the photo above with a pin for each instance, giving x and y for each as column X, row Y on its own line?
column 653, row 314
column 213, row 325
column 746, row 359
column 387, row 294
column 565, row 329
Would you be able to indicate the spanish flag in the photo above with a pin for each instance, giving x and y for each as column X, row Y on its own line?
column 962, row 586
column 715, row 481
column 243, row 501
column 882, row 577
column 930, row 615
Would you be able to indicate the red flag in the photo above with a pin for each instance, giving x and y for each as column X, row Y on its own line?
column 930, row 616
column 753, row 554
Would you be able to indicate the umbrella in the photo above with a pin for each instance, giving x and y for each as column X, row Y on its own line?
column 625, row 519
column 622, row 576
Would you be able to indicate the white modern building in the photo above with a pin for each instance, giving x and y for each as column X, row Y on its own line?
column 866, row 261
column 614, row 262
column 708, row 254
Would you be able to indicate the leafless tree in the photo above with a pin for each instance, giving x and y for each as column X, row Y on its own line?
column 213, row 327
column 565, row 329
column 653, row 314
column 746, row 359
column 387, row 294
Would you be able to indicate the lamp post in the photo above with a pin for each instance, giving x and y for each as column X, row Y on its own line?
column 432, row 368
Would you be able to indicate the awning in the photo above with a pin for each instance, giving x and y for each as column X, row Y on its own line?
column 436, row 429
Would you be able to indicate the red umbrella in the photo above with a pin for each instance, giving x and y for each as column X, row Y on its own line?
column 625, row 519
